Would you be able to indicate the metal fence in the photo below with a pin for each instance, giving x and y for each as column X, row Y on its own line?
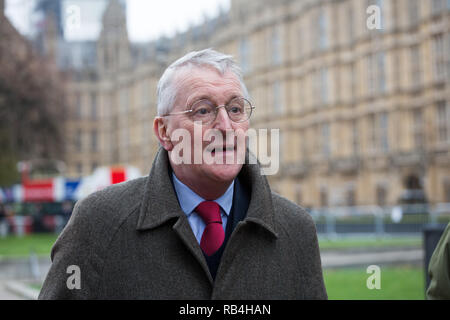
column 380, row 221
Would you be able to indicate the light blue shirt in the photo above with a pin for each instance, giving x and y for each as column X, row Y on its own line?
column 189, row 200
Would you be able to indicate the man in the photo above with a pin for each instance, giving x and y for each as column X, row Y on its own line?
column 191, row 229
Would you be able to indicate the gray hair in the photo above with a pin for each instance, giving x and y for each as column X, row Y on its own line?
column 208, row 57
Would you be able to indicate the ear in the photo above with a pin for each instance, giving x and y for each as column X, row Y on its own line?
column 160, row 130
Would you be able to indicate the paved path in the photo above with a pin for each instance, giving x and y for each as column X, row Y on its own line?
column 6, row 294
column 337, row 259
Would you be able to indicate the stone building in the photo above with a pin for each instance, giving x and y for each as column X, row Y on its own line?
column 364, row 114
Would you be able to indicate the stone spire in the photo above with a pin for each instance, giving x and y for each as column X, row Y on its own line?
column 114, row 51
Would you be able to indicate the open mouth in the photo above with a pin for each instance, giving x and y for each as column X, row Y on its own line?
column 223, row 149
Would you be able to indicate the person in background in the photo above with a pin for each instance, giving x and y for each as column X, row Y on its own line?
column 439, row 269
column 3, row 221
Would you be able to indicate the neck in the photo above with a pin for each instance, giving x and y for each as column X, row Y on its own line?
column 208, row 190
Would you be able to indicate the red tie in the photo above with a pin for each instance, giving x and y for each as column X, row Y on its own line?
column 213, row 235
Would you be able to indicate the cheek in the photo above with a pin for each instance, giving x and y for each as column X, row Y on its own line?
column 241, row 128
column 179, row 127
column 244, row 126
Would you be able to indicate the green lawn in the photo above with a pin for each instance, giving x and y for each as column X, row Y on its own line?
column 41, row 244
column 13, row 246
column 397, row 283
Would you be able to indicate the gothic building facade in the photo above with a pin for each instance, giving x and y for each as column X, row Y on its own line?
column 364, row 114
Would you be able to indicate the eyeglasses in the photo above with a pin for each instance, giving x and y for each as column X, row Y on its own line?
column 204, row 111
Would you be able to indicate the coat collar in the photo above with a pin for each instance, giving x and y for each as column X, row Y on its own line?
column 160, row 203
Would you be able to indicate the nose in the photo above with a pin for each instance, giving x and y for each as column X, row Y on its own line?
column 223, row 121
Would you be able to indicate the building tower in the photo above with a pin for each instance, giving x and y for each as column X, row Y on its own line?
column 113, row 48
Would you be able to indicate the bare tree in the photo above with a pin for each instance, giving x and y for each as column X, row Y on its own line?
column 32, row 104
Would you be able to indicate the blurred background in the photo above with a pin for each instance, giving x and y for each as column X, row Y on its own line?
column 360, row 90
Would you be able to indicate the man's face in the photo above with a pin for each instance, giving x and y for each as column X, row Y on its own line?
column 194, row 84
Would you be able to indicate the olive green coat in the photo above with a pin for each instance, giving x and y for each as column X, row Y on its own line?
column 439, row 269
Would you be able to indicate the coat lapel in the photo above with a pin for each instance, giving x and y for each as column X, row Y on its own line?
column 184, row 231
column 160, row 205
column 260, row 210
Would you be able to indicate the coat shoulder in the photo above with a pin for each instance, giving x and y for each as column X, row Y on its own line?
column 292, row 216
column 101, row 213
column 115, row 200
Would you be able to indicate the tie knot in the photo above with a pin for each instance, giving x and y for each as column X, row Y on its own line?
column 209, row 211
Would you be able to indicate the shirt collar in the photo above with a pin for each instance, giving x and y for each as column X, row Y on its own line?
column 189, row 200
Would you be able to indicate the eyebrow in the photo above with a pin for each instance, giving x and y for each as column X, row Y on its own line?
column 207, row 97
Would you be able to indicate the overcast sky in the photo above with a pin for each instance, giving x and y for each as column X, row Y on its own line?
column 147, row 19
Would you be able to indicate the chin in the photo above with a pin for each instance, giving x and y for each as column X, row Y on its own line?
column 224, row 172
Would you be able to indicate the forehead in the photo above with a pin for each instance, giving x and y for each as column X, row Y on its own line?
column 206, row 81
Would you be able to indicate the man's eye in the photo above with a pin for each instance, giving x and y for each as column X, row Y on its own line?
column 202, row 111
column 235, row 109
